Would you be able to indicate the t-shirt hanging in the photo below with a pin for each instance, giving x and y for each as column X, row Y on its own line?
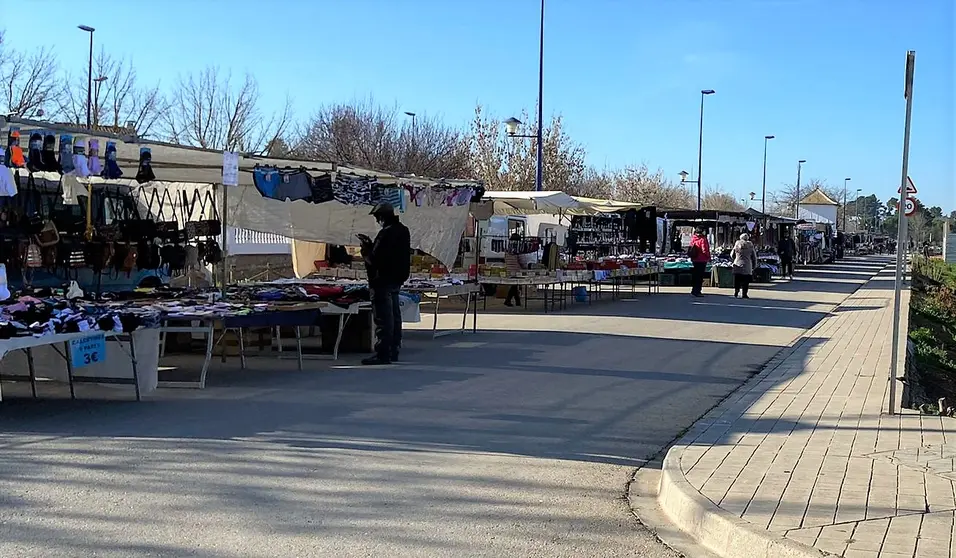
column 395, row 197
column 416, row 194
column 352, row 191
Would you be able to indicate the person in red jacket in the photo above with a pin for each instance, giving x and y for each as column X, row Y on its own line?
column 699, row 252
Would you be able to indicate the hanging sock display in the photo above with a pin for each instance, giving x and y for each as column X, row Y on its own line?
column 81, row 165
column 66, row 153
column 96, row 166
column 145, row 171
column 14, row 156
column 48, row 158
column 34, row 156
column 111, row 168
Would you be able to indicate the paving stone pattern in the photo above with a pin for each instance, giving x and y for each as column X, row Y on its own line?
column 806, row 449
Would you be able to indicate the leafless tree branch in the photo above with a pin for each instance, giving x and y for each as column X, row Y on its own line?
column 28, row 80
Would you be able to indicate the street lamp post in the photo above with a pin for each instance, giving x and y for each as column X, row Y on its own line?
column 857, row 207
column 700, row 144
column 414, row 134
column 799, row 166
column 763, row 195
column 96, row 98
column 89, row 83
column 845, row 180
column 513, row 123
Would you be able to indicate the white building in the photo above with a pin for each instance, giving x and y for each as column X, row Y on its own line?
column 818, row 207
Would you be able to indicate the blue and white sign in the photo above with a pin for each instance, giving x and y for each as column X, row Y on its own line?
column 88, row 350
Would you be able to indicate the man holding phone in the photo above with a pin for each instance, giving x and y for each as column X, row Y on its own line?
column 387, row 263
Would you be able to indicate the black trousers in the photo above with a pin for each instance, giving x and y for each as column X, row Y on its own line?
column 786, row 267
column 513, row 294
column 387, row 315
column 697, row 276
column 742, row 283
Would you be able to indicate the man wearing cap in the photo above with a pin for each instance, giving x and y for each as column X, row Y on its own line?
column 387, row 262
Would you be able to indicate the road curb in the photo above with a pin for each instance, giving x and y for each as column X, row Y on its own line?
column 725, row 534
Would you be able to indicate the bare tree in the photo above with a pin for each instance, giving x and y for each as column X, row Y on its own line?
column 639, row 185
column 720, row 201
column 208, row 110
column 594, row 183
column 28, row 81
column 365, row 134
column 117, row 98
column 509, row 163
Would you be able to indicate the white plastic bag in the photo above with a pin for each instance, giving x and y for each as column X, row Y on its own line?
column 410, row 308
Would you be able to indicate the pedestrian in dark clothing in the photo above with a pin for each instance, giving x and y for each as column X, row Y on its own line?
column 387, row 262
column 513, row 293
column 786, row 250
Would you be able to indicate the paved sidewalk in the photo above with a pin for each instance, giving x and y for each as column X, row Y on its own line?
column 802, row 461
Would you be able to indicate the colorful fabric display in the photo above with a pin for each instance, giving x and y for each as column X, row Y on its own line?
column 14, row 151
column 352, row 190
column 395, row 197
column 111, row 169
column 48, row 157
column 7, row 185
column 144, row 173
column 416, row 194
column 435, row 196
column 81, row 165
column 34, row 155
column 96, row 166
column 66, row 153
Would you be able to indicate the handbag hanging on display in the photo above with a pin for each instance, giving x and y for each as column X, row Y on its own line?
column 203, row 227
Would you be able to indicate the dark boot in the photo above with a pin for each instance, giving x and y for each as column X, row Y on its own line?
column 376, row 360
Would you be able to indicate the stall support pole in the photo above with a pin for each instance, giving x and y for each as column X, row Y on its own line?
column 225, row 238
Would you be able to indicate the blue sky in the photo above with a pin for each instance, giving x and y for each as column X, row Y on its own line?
column 824, row 77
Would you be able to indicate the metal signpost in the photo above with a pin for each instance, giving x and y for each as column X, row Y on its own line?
column 901, row 233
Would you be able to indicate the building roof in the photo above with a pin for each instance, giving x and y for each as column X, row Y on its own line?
column 818, row 197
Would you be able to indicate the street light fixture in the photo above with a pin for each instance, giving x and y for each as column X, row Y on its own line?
column 512, row 123
column 845, row 180
column 89, row 75
column 799, row 166
column 763, row 202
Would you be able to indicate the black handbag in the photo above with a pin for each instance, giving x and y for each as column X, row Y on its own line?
column 203, row 227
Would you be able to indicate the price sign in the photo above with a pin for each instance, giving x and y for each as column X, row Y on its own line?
column 88, row 350
column 230, row 168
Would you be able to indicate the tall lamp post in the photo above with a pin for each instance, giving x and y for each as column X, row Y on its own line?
column 845, row 180
column 89, row 84
column 857, row 207
column 96, row 98
column 799, row 166
column 513, row 123
column 414, row 135
column 700, row 149
column 763, row 195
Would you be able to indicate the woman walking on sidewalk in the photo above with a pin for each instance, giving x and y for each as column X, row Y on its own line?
column 745, row 260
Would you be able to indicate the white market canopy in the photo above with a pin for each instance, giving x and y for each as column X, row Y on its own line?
column 532, row 203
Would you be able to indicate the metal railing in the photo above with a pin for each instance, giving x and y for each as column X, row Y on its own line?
column 244, row 241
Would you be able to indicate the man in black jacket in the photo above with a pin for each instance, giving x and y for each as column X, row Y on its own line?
column 387, row 262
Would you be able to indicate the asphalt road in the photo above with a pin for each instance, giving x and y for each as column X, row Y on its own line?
column 518, row 441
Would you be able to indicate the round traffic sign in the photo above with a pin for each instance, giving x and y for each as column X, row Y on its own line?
column 909, row 207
